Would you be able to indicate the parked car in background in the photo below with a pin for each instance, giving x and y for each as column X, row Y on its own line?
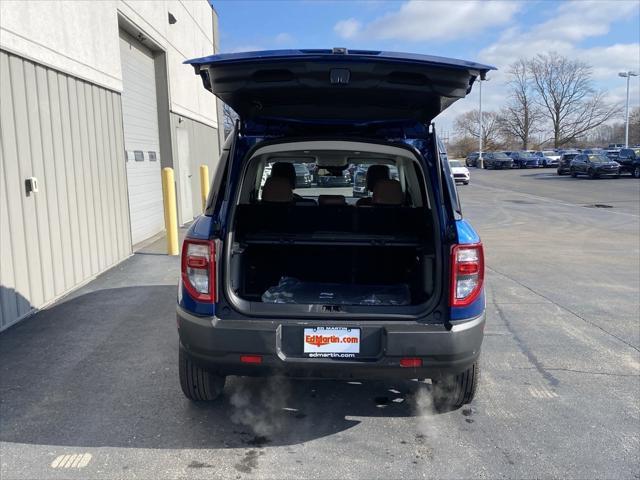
column 497, row 160
column 303, row 176
column 460, row 172
column 550, row 158
column 360, row 181
column 313, row 171
column 613, row 154
column 524, row 159
column 564, row 165
column 328, row 178
column 629, row 160
column 594, row 151
column 616, row 145
column 595, row 166
column 472, row 159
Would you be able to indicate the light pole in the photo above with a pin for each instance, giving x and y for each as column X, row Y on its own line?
column 480, row 160
column 626, row 75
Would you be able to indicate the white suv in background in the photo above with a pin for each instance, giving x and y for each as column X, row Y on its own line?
column 460, row 172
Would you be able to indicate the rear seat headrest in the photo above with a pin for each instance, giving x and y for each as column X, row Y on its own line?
column 284, row 170
column 388, row 192
column 331, row 200
column 376, row 173
column 277, row 189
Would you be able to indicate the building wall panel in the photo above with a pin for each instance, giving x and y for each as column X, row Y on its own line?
column 18, row 286
column 203, row 150
column 68, row 134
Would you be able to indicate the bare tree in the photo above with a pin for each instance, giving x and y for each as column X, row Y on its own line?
column 521, row 116
column 230, row 117
column 567, row 97
column 467, row 125
column 634, row 126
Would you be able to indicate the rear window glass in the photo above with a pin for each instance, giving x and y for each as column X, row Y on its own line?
column 313, row 180
column 334, row 178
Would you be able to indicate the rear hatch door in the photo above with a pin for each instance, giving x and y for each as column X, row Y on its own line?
column 337, row 85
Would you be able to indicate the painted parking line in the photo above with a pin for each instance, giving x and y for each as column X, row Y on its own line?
column 74, row 460
column 542, row 392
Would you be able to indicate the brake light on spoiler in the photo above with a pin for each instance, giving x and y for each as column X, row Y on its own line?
column 467, row 274
column 199, row 269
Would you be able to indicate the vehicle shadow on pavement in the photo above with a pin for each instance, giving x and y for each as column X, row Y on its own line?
column 100, row 369
column 568, row 178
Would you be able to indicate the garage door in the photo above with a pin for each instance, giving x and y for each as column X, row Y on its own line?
column 141, row 139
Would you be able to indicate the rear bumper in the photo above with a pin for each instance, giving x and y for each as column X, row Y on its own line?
column 217, row 345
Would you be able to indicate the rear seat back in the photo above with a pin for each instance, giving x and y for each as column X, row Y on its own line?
column 331, row 200
column 277, row 190
column 387, row 192
column 289, row 218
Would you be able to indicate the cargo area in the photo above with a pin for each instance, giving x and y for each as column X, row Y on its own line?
column 329, row 274
column 326, row 247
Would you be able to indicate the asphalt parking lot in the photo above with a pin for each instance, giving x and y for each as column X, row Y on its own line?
column 95, row 376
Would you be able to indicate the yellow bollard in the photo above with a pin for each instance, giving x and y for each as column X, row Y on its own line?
column 170, row 214
column 204, row 185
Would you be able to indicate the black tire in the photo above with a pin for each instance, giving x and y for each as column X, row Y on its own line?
column 465, row 183
column 454, row 391
column 636, row 172
column 592, row 174
column 197, row 383
column 559, row 172
column 574, row 174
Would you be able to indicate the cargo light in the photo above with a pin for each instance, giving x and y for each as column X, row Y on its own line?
column 255, row 359
column 467, row 274
column 198, row 269
column 410, row 362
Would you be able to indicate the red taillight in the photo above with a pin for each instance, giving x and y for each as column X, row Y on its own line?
column 255, row 359
column 410, row 362
column 467, row 273
column 199, row 269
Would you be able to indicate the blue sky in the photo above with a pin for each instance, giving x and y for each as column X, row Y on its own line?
column 605, row 34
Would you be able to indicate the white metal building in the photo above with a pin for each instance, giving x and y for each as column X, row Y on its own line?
column 94, row 101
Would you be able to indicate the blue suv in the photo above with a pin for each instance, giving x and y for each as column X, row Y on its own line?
column 314, row 282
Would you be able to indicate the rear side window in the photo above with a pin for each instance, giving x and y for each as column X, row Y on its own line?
column 219, row 181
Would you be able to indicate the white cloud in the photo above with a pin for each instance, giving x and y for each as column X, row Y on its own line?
column 244, row 48
column 572, row 22
column 283, row 39
column 569, row 24
column 347, row 28
column 279, row 41
column 419, row 20
column 577, row 20
column 608, row 61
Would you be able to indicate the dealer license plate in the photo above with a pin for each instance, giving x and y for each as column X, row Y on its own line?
column 331, row 342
